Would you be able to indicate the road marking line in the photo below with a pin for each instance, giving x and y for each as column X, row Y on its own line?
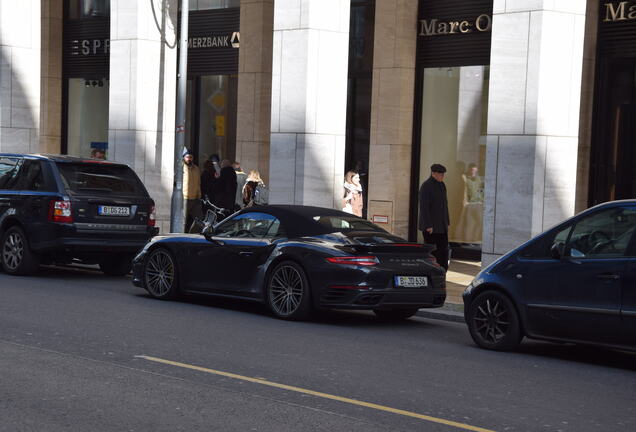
column 318, row 394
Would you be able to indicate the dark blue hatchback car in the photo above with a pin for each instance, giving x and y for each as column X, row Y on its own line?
column 574, row 283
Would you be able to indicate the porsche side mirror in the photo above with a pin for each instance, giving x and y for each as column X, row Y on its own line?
column 557, row 250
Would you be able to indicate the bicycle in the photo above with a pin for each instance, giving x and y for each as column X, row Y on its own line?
column 212, row 215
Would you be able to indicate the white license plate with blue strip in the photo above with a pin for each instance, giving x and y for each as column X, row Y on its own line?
column 411, row 281
column 103, row 210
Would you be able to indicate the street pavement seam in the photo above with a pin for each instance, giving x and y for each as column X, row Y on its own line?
column 261, row 381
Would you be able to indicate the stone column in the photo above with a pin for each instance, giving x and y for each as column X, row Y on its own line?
column 255, row 86
column 533, row 119
column 392, row 112
column 20, row 75
column 51, row 77
column 143, row 54
column 309, row 98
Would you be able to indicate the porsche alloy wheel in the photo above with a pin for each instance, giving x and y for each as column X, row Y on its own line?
column 160, row 275
column 288, row 291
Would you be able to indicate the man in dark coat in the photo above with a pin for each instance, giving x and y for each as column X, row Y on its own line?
column 225, row 187
column 434, row 219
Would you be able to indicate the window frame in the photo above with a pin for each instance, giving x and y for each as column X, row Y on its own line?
column 245, row 216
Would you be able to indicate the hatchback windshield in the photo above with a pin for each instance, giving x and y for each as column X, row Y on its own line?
column 100, row 179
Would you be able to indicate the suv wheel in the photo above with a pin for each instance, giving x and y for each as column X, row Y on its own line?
column 119, row 266
column 17, row 257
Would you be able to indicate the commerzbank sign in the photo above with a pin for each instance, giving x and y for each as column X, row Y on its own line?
column 619, row 11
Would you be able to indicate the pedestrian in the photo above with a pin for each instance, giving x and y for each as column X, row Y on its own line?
column 353, row 201
column 255, row 192
column 241, row 177
column 225, row 187
column 98, row 153
column 191, row 189
column 434, row 218
column 208, row 178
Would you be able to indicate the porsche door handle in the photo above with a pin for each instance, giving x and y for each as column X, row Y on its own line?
column 246, row 253
column 608, row 276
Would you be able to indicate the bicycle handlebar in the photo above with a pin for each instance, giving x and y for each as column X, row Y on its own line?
column 206, row 201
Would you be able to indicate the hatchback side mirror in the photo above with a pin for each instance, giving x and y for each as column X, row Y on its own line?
column 557, row 250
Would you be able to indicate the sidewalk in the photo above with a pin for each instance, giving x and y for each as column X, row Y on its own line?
column 459, row 275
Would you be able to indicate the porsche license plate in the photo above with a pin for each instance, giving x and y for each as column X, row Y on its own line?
column 411, row 281
column 103, row 210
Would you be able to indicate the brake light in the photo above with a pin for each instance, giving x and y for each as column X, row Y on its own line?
column 152, row 216
column 60, row 211
column 354, row 260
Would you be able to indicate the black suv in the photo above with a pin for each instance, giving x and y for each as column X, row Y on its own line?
column 59, row 209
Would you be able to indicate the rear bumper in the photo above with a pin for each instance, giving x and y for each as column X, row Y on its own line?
column 73, row 238
column 382, row 299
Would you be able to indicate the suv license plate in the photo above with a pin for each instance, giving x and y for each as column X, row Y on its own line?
column 113, row 211
column 411, row 281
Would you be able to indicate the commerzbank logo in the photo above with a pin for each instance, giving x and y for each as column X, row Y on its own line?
column 222, row 41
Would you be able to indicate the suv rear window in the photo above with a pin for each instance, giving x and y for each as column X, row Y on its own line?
column 100, row 179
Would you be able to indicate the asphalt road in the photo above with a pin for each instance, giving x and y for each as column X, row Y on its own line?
column 83, row 352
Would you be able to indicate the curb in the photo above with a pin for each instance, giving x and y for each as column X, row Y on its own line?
column 440, row 314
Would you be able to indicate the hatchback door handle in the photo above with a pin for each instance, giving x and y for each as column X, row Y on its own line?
column 609, row 276
column 246, row 253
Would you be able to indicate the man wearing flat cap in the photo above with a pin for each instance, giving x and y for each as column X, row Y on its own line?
column 434, row 219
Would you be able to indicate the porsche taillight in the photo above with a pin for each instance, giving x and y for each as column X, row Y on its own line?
column 354, row 260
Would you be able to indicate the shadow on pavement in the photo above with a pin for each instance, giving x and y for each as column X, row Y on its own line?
column 591, row 355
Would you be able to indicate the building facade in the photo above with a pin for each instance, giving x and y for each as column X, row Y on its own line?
column 528, row 103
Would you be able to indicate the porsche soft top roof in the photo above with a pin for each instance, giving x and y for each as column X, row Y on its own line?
column 298, row 220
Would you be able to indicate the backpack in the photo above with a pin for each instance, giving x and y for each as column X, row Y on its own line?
column 261, row 195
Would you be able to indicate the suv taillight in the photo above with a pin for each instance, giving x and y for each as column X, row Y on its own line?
column 60, row 211
column 152, row 216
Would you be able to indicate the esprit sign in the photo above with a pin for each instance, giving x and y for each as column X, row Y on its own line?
column 86, row 47
column 436, row 27
column 622, row 11
column 215, row 41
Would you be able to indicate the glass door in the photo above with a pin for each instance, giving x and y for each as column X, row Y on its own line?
column 453, row 133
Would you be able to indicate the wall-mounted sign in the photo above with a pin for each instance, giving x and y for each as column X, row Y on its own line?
column 436, row 27
column 382, row 219
column 223, row 41
column 213, row 41
column 619, row 11
column 89, row 46
column 454, row 33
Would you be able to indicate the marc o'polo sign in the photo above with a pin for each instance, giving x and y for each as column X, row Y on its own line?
column 619, row 11
column 437, row 27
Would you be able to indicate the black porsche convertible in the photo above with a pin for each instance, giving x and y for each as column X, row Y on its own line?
column 295, row 259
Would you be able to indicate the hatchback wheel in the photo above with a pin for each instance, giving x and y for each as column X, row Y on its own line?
column 493, row 322
column 160, row 275
column 288, row 294
column 17, row 257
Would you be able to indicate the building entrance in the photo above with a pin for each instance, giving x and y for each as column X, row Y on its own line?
column 614, row 150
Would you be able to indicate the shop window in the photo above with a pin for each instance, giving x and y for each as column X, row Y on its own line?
column 81, row 9
column 87, row 125
column 197, row 5
column 454, row 117
column 213, row 113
